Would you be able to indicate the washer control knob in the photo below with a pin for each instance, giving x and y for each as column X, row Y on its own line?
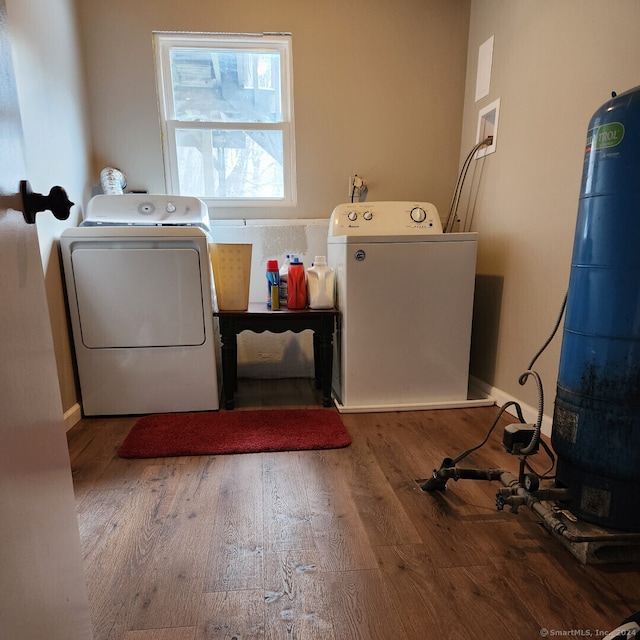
column 418, row 214
column 367, row 215
column 171, row 208
column 352, row 215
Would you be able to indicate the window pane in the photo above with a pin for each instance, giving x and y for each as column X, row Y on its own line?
column 226, row 85
column 230, row 163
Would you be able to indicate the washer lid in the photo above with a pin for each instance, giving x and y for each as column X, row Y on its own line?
column 142, row 209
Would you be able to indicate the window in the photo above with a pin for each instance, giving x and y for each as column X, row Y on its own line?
column 227, row 117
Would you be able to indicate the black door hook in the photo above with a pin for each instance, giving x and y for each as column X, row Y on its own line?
column 57, row 202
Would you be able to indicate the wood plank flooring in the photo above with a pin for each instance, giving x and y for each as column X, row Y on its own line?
column 334, row 545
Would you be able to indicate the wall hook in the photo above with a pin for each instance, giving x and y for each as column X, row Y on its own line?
column 57, row 202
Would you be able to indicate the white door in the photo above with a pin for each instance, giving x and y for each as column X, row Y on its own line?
column 42, row 585
column 148, row 297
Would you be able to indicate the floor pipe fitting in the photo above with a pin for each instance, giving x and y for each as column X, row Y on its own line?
column 588, row 543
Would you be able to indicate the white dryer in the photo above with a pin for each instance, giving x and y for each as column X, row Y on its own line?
column 405, row 294
column 138, row 280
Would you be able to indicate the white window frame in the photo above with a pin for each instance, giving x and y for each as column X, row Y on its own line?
column 163, row 42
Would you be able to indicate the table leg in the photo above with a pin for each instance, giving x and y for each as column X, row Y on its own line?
column 229, row 353
column 317, row 364
column 323, row 347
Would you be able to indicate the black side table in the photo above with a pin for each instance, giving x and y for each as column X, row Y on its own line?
column 259, row 318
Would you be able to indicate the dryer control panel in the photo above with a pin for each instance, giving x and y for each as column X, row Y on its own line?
column 385, row 219
column 135, row 209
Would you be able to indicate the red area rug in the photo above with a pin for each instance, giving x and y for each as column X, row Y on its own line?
column 210, row 433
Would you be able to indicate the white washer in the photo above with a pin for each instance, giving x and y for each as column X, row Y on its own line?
column 405, row 294
column 138, row 280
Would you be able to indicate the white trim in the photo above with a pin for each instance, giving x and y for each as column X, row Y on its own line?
column 423, row 406
column 72, row 416
column 502, row 397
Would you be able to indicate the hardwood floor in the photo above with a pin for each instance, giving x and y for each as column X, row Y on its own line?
column 339, row 544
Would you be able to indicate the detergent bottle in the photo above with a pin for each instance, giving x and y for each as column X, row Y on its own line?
column 321, row 284
column 296, row 286
column 284, row 279
column 273, row 284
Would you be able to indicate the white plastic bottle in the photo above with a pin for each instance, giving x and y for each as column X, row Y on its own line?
column 321, row 284
column 284, row 280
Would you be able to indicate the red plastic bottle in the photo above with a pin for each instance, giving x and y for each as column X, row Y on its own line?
column 297, row 286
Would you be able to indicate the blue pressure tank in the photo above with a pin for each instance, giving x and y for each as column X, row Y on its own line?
column 596, row 423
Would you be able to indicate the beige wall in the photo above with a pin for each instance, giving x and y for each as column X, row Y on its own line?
column 378, row 90
column 51, row 95
column 554, row 63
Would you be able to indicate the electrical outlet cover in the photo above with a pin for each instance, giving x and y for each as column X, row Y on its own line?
column 488, row 126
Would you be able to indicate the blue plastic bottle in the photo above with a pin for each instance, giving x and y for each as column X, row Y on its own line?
column 273, row 280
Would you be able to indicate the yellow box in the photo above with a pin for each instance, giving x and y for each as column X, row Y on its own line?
column 231, row 264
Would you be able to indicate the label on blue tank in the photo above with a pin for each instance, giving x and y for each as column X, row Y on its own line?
column 595, row 501
column 605, row 136
column 565, row 423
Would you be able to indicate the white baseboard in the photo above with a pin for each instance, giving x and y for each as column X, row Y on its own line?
column 72, row 416
column 501, row 397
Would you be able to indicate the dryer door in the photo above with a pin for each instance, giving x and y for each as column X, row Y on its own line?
column 139, row 297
